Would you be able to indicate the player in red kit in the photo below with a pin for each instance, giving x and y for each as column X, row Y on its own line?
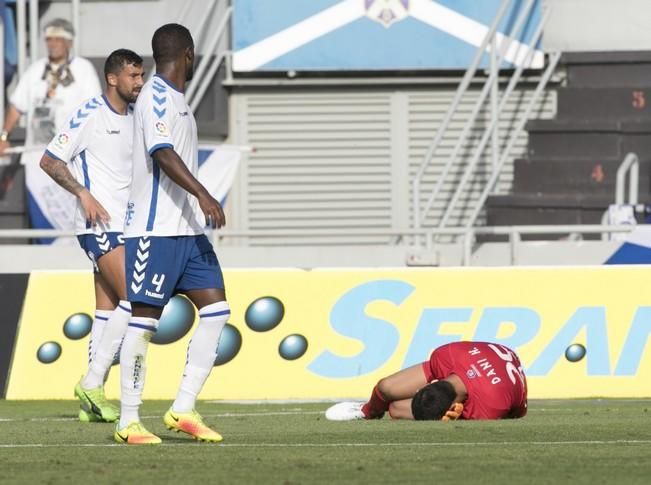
column 469, row 380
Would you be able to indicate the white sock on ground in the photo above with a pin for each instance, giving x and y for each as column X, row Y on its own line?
column 107, row 346
column 202, row 352
column 133, row 367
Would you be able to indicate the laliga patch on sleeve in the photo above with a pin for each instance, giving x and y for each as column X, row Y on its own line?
column 62, row 140
column 161, row 129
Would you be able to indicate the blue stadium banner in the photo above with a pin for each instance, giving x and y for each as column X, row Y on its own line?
column 369, row 35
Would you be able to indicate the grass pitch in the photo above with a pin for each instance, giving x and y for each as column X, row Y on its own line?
column 577, row 441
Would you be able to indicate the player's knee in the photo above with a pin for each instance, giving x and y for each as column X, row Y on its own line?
column 384, row 388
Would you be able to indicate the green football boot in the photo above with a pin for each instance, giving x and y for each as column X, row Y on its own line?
column 93, row 401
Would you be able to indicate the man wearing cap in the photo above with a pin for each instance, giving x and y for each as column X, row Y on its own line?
column 49, row 90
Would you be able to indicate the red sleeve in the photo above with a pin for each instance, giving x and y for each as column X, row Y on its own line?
column 440, row 364
column 427, row 369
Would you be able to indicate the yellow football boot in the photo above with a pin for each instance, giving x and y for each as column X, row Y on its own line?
column 135, row 434
column 192, row 424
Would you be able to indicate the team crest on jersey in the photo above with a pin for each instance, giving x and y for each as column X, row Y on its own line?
column 62, row 139
column 161, row 128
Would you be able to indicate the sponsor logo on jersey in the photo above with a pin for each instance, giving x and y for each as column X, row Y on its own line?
column 161, row 128
column 184, row 113
column 62, row 139
column 153, row 294
column 112, row 132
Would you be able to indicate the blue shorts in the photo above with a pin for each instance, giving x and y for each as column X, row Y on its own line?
column 159, row 267
column 97, row 245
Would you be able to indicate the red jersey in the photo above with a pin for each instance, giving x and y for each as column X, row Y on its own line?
column 492, row 374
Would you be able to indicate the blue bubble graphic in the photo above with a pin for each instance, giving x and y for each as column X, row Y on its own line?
column 264, row 313
column 292, row 347
column 48, row 352
column 176, row 320
column 575, row 352
column 230, row 343
column 77, row 326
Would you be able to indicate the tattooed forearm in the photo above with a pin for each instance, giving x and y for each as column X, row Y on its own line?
column 60, row 174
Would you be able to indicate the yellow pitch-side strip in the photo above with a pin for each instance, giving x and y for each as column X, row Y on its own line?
column 327, row 334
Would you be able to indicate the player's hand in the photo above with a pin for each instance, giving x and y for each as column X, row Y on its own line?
column 453, row 413
column 212, row 210
column 94, row 211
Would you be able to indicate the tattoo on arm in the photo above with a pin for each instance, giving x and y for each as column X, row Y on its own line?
column 61, row 175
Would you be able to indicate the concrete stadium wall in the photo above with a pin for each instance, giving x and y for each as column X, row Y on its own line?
column 597, row 25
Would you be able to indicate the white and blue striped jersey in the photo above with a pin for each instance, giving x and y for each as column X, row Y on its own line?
column 157, row 205
column 96, row 142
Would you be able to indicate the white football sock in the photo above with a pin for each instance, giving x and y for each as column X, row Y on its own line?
column 202, row 352
column 101, row 317
column 133, row 367
column 107, row 346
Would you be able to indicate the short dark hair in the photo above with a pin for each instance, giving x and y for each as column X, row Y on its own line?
column 119, row 59
column 432, row 401
column 170, row 41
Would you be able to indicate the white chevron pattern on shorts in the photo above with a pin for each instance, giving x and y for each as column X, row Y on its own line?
column 140, row 265
column 103, row 242
column 144, row 243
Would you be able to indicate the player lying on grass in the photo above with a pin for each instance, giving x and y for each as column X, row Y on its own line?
column 468, row 380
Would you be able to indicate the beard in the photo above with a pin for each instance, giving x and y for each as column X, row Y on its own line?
column 128, row 96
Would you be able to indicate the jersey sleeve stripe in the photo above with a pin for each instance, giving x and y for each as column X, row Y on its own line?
column 52, row 155
column 154, row 197
column 84, row 168
column 160, row 146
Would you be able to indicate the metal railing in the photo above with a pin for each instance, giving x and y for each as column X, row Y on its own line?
column 209, row 64
column 491, row 87
column 630, row 166
column 429, row 236
column 207, row 68
column 447, row 119
column 212, row 57
column 490, row 185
